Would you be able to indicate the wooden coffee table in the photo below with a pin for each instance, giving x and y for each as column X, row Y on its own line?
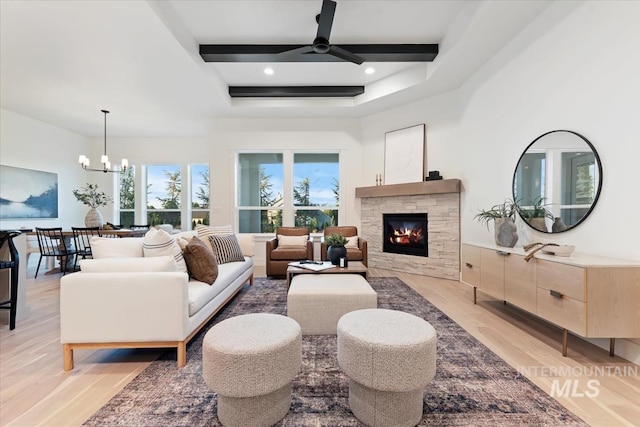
column 355, row 267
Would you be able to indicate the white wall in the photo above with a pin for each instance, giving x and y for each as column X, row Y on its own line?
column 574, row 68
column 579, row 74
column 31, row 144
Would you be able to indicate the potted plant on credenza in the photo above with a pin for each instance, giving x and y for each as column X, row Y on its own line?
column 503, row 216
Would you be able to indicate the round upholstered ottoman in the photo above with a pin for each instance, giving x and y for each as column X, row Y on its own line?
column 389, row 357
column 249, row 361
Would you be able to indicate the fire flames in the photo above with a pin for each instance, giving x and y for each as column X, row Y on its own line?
column 406, row 236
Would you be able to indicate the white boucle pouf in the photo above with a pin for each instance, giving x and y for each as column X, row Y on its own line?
column 389, row 357
column 250, row 361
column 318, row 301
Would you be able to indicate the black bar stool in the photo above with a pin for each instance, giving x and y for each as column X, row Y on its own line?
column 12, row 263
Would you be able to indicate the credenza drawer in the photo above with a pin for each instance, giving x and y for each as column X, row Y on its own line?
column 565, row 279
column 562, row 310
column 470, row 260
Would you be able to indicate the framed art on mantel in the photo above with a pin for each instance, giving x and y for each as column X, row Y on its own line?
column 404, row 155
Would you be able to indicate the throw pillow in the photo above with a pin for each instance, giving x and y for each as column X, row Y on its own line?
column 204, row 231
column 226, row 248
column 160, row 243
column 352, row 242
column 200, row 261
column 292, row 241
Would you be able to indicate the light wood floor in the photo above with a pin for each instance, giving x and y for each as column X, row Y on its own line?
column 35, row 391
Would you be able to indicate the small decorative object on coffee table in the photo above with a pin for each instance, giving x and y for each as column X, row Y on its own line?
column 336, row 249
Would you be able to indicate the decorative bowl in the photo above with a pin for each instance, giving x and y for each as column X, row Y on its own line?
column 562, row 250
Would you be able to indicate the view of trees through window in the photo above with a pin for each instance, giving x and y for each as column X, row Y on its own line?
column 313, row 199
column 127, row 197
column 163, row 196
column 199, row 195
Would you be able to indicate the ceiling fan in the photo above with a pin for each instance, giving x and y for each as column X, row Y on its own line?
column 321, row 43
column 321, row 50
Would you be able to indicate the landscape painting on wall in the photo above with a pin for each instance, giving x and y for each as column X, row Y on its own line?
column 28, row 193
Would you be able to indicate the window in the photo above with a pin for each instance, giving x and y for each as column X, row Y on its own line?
column 260, row 192
column 199, row 195
column 127, row 197
column 164, row 190
column 316, row 187
column 287, row 188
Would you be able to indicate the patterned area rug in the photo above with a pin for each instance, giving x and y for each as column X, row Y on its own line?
column 472, row 385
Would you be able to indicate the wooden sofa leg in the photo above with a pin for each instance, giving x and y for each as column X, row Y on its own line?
column 67, row 357
column 251, row 280
column 182, row 354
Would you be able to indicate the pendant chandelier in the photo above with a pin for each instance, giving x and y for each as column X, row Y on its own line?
column 106, row 164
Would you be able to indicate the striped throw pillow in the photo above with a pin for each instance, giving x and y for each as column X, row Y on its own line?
column 204, row 231
column 160, row 243
column 226, row 248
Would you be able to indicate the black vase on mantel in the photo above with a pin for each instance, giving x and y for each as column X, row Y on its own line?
column 334, row 253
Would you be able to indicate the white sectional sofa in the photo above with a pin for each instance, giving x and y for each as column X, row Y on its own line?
column 141, row 302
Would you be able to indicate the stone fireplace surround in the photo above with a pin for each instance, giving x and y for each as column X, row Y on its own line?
column 441, row 201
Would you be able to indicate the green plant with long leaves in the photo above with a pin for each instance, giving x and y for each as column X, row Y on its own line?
column 507, row 209
column 536, row 209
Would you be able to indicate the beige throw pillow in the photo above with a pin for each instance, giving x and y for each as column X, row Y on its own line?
column 352, row 242
column 160, row 243
column 200, row 261
column 292, row 241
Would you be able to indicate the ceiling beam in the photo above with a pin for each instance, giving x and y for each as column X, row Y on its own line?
column 295, row 91
column 276, row 53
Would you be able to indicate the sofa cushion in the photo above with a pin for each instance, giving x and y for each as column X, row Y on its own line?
column 201, row 263
column 160, row 243
column 289, row 254
column 290, row 242
column 104, row 247
column 226, row 248
column 200, row 294
column 128, row 265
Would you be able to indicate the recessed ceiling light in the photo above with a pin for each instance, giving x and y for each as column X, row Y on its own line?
column 370, row 70
column 268, row 71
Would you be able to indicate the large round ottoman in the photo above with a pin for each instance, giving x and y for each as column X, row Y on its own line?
column 389, row 357
column 249, row 361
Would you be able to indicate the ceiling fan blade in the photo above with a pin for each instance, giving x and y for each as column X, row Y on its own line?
column 297, row 51
column 326, row 19
column 345, row 54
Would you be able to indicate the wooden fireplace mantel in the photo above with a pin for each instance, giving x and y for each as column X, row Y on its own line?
column 409, row 189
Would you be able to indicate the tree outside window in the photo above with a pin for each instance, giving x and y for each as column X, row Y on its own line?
column 164, row 191
column 199, row 195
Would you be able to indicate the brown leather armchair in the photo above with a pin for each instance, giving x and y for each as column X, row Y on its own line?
column 353, row 254
column 278, row 258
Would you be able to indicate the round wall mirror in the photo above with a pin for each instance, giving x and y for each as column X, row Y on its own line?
column 557, row 181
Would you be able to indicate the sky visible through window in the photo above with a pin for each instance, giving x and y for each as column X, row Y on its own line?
column 157, row 177
column 321, row 180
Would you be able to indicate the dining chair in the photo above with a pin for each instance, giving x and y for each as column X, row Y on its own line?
column 10, row 262
column 82, row 238
column 53, row 244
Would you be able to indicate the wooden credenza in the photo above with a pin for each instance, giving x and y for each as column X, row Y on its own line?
column 590, row 296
